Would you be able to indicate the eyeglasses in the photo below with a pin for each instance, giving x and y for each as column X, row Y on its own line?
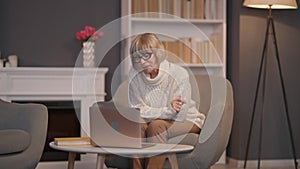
column 136, row 58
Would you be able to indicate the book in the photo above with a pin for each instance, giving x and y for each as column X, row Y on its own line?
column 172, row 48
column 185, row 50
column 63, row 141
column 198, row 9
column 153, row 8
column 210, row 9
column 195, row 55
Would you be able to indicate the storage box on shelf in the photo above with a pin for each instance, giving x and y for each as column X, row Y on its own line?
column 192, row 30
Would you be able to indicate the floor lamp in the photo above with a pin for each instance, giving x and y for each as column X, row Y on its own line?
column 269, row 4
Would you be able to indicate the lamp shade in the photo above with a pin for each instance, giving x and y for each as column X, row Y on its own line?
column 274, row 4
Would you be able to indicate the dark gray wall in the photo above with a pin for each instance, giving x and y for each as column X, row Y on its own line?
column 42, row 32
column 246, row 30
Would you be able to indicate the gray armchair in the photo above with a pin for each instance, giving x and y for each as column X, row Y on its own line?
column 23, row 129
column 215, row 99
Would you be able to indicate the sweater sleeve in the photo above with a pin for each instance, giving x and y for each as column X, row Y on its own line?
column 183, row 90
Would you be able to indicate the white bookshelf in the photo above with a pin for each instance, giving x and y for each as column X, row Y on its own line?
column 176, row 28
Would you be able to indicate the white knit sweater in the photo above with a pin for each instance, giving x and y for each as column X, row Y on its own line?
column 154, row 96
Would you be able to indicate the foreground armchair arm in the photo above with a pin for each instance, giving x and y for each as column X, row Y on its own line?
column 23, row 129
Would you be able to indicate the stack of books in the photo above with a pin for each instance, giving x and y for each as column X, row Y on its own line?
column 63, row 141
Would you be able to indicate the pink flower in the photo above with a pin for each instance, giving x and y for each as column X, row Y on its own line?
column 89, row 30
column 88, row 34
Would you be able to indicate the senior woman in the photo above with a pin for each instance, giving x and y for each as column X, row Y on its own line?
column 162, row 92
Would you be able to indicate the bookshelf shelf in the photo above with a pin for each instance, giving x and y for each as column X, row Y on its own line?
column 204, row 31
column 174, row 20
column 211, row 65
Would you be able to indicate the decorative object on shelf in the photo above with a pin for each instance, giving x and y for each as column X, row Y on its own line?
column 88, row 54
column 88, row 36
column 5, row 62
column 262, row 76
column 1, row 60
column 13, row 60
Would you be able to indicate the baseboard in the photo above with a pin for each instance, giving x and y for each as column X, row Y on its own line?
column 264, row 163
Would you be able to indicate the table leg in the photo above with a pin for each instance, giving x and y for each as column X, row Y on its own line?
column 71, row 160
column 100, row 161
column 173, row 160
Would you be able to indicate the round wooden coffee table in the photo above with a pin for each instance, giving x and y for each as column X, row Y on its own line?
column 167, row 150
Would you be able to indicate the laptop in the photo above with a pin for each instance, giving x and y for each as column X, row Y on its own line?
column 115, row 126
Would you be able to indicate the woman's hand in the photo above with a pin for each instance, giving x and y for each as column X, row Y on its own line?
column 177, row 103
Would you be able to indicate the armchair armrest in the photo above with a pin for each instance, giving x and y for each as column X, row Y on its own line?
column 215, row 133
column 13, row 141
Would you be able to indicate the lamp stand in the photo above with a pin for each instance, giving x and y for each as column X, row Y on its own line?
column 263, row 69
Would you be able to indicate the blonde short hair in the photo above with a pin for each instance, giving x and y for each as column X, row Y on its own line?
column 148, row 41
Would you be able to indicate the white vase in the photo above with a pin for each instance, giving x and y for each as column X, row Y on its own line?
column 88, row 54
